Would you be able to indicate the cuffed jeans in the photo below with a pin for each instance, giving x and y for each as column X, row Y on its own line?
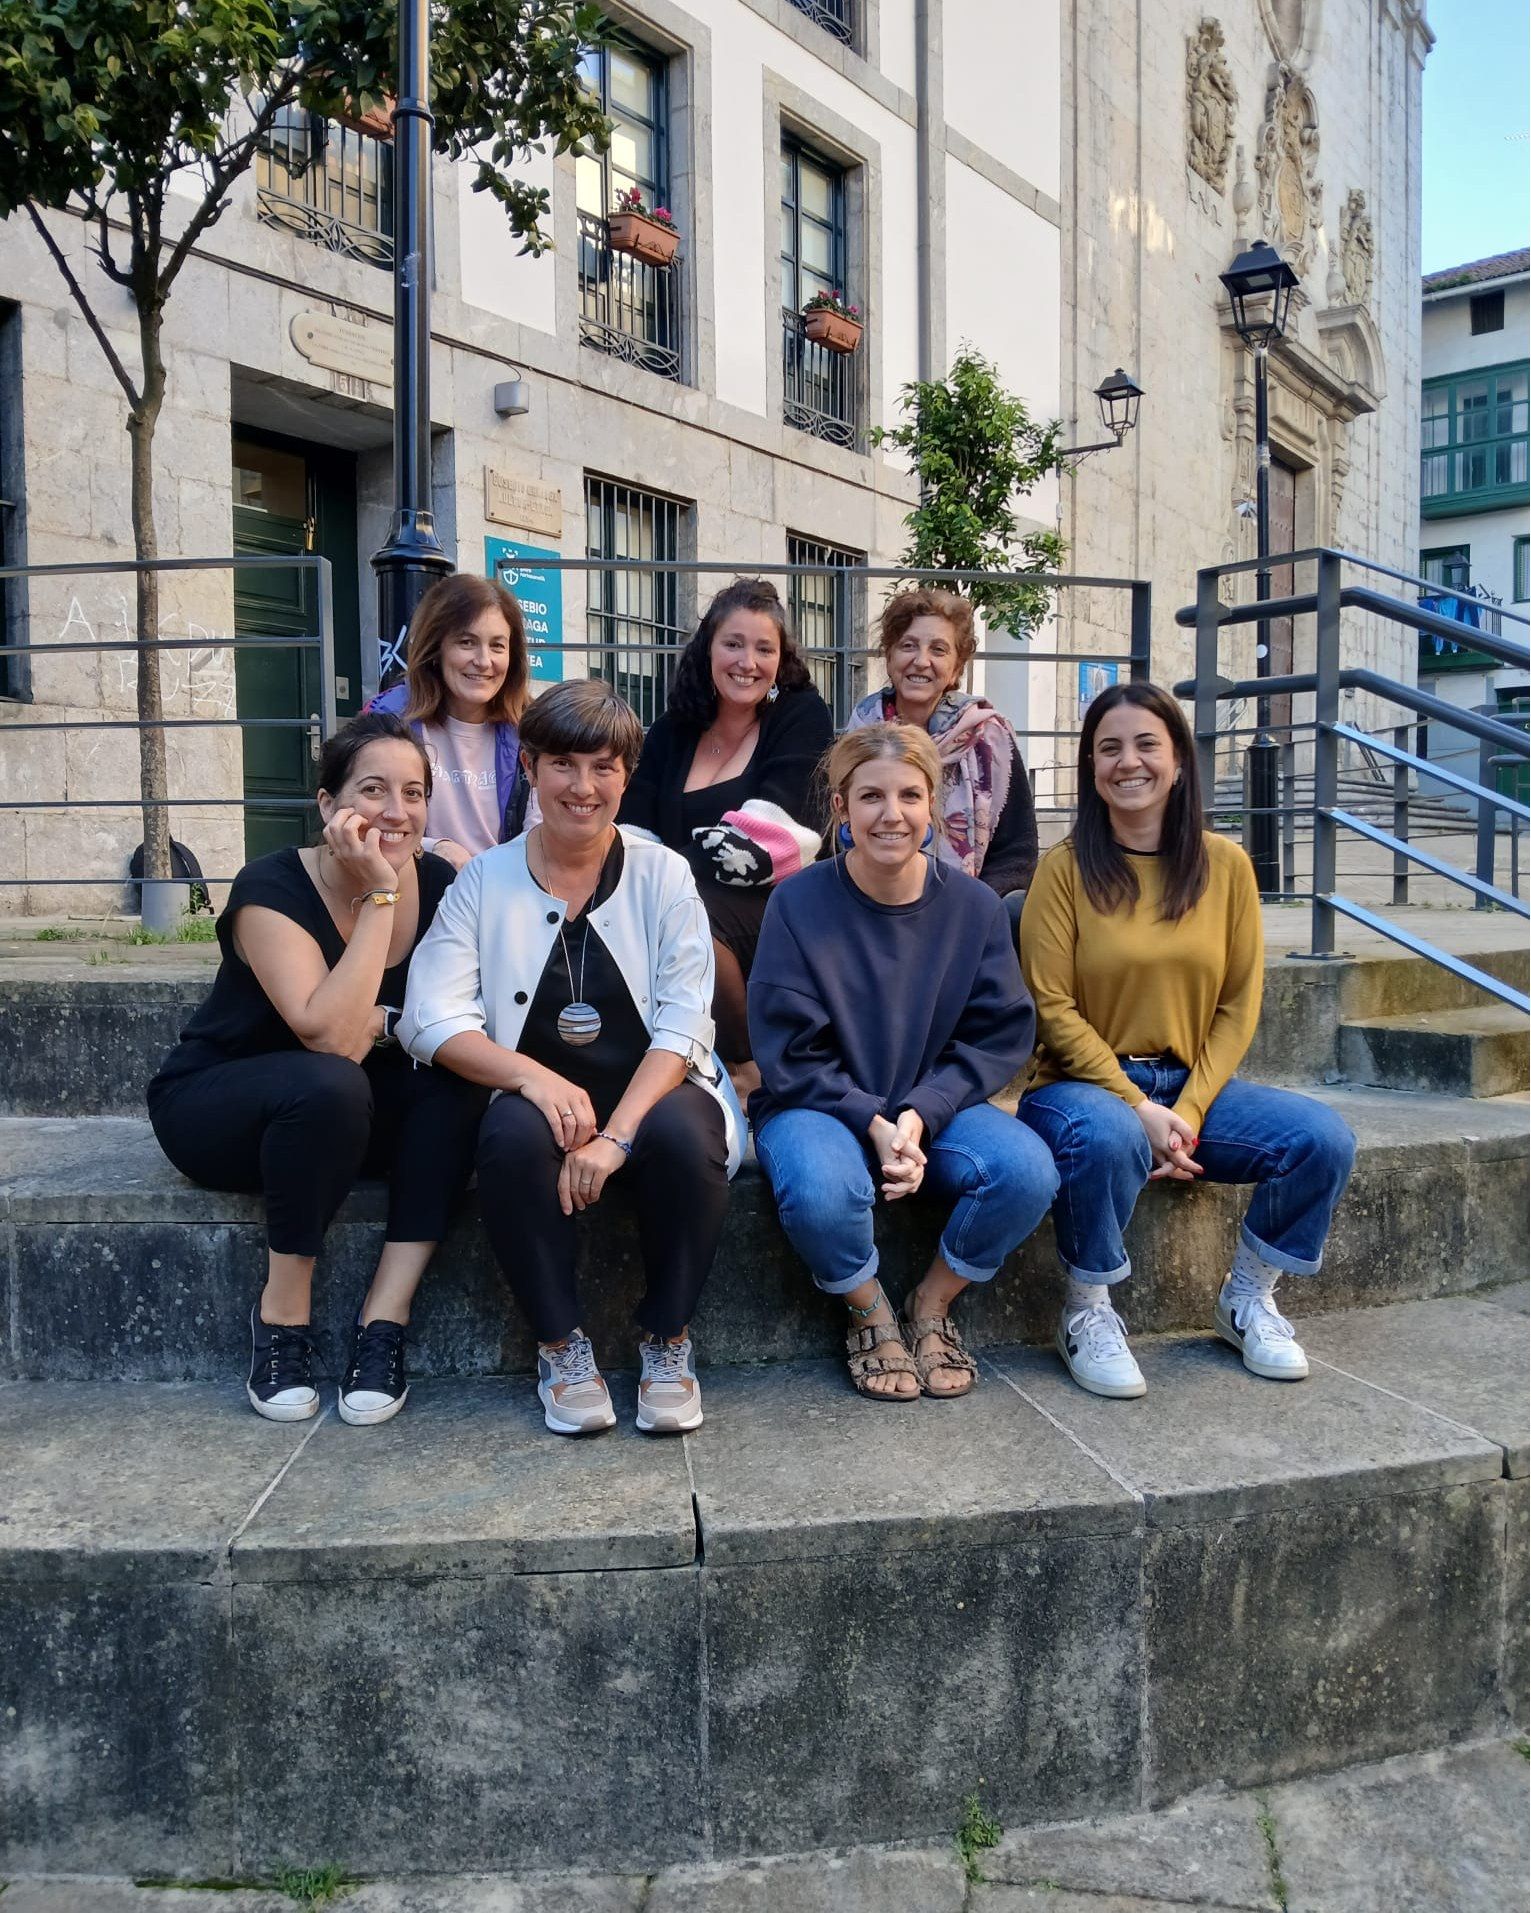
column 999, row 1176
column 1296, row 1152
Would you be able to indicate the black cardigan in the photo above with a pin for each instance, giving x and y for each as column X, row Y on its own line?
column 795, row 732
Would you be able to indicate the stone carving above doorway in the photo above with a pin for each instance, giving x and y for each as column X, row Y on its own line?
column 1289, row 26
column 1213, row 103
column 1286, row 166
column 1357, row 248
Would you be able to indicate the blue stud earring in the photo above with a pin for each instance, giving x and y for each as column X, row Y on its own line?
column 844, row 838
column 929, row 838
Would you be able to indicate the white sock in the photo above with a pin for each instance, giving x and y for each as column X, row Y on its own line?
column 1249, row 1275
column 1079, row 1295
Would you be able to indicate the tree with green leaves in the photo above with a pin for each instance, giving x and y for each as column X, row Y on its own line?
column 976, row 451
column 139, row 116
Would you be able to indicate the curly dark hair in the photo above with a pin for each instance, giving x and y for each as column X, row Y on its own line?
column 693, row 696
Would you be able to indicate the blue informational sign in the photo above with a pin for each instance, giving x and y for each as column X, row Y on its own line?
column 1093, row 679
column 522, row 571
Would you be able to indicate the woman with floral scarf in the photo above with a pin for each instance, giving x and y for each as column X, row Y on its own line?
column 990, row 826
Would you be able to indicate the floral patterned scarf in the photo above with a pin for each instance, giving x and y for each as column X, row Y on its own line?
column 977, row 750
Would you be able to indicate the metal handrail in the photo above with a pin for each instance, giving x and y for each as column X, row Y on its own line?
column 1438, row 771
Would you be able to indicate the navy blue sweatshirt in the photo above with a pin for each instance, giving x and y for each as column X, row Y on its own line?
column 861, row 1009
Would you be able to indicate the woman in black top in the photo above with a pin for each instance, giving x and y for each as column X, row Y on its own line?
column 728, row 778
column 288, row 1081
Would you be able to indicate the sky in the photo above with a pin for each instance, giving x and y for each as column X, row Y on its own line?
column 1477, row 158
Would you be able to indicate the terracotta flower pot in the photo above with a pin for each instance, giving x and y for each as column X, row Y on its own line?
column 647, row 239
column 834, row 329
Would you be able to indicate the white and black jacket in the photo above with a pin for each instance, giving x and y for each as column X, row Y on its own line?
column 479, row 965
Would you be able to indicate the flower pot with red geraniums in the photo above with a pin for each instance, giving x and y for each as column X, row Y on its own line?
column 829, row 321
column 648, row 234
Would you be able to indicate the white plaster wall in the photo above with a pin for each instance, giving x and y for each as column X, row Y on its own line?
column 1000, row 65
column 1491, row 536
column 495, row 275
column 1002, row 285
column 1447, row 342
column 897, row 36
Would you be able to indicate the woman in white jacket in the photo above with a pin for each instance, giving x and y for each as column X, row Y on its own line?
column 571, row 971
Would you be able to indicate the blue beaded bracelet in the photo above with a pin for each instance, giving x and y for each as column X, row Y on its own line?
column 605, row 1135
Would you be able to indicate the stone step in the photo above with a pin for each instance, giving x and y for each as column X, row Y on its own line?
column 1481, row 1051
column 83, row 1040
column 114, row 1268
column 456, row 1642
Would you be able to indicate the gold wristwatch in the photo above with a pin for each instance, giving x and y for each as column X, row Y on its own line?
column 380, row 897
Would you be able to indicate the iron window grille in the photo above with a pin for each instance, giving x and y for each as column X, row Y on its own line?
column 820, row 387
column 628, row 308
column 826, row 611
column 329, row 183
column 836, row 17
column 634, row 622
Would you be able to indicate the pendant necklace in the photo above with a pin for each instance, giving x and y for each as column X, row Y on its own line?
column 580, row 1022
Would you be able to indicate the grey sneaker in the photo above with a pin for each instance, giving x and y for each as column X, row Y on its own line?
column 575, row 1400
column 669, row 1395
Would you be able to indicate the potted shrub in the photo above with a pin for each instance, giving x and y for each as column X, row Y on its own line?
column 828, row 320
column 650, row 235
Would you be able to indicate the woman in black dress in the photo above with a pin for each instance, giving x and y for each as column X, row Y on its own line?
column 288, row 1080
column 728, row 777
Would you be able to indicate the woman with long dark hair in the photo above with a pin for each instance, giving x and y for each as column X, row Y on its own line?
column 463, row 696
column 1142, row 945
column 728, row 778
column 289, row 1082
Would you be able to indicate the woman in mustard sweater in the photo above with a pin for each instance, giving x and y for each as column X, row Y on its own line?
column 1142, row 946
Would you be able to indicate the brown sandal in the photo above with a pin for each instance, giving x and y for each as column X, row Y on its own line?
column 863, row 1348
column 953, row 1354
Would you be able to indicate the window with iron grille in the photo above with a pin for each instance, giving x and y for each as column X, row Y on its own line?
column 15, row 680
column 628, row 307
column 819, row 385
column 329, row 183
column 635, row 622
column 1521, row 588
column 834, row 16
column 827, row 610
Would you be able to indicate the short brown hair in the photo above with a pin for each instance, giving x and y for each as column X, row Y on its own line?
column 905, row 742
column 448, row 607
column 582, row 714
column 904, row 607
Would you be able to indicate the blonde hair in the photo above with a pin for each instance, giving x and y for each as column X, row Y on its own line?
column 906, row 743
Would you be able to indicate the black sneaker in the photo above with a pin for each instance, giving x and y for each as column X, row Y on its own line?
column 281, row 1384
column 374, row 1387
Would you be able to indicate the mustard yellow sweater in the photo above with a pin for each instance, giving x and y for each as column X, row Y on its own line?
column 1131, row 985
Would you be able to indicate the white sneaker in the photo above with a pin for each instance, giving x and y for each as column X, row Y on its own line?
column 575, row 1400
column 669, row 1395
column 1093, row 1344
column 1261, row 1334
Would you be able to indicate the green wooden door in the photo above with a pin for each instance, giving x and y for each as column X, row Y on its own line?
column 290, row 499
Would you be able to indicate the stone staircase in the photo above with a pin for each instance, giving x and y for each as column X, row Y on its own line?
column 455, row 1642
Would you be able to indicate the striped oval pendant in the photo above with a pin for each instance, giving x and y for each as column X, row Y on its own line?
column 579, row 1024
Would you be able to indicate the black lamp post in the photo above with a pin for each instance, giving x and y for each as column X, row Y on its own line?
column 1118, row 397
column 412, row 559
column 1260, row 284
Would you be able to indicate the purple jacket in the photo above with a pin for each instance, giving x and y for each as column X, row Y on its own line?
column 509, row 781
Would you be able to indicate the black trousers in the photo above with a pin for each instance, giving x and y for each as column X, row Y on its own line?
column 300, row 1128
column 677, row 1180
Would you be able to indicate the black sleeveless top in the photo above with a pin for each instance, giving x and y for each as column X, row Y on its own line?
column 237, row 1018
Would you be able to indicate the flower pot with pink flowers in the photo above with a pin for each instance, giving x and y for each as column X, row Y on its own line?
column 829, row 321
column 648, row 233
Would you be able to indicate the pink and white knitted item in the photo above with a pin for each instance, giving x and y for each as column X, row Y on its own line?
column 788, row 844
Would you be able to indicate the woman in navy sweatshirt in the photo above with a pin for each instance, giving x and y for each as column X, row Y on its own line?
column 886, row 1006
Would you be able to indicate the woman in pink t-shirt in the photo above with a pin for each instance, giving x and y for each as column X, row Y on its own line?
column 464, row 694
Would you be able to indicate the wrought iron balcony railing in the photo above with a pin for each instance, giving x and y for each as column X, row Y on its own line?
column 834, row 16
column 329, row 183
column 820, row 389
column 628, row 307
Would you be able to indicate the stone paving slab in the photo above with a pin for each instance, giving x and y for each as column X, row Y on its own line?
column 1211, row 1442
column 792, row 1464
column 468, row 1480
column 147, row 1483
column 1514, row 1295
column 1447, row 1357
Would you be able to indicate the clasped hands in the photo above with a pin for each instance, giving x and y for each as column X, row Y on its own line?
column 1171, row 1139
column 899, row 1154
column 588, row 1159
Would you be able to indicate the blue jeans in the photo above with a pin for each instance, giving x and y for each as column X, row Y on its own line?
column 1001, row 1179
column 1296, row 1152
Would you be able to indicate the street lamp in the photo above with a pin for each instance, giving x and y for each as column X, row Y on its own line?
column 1259, row 285
column 412, row 559
column 1118, row 397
